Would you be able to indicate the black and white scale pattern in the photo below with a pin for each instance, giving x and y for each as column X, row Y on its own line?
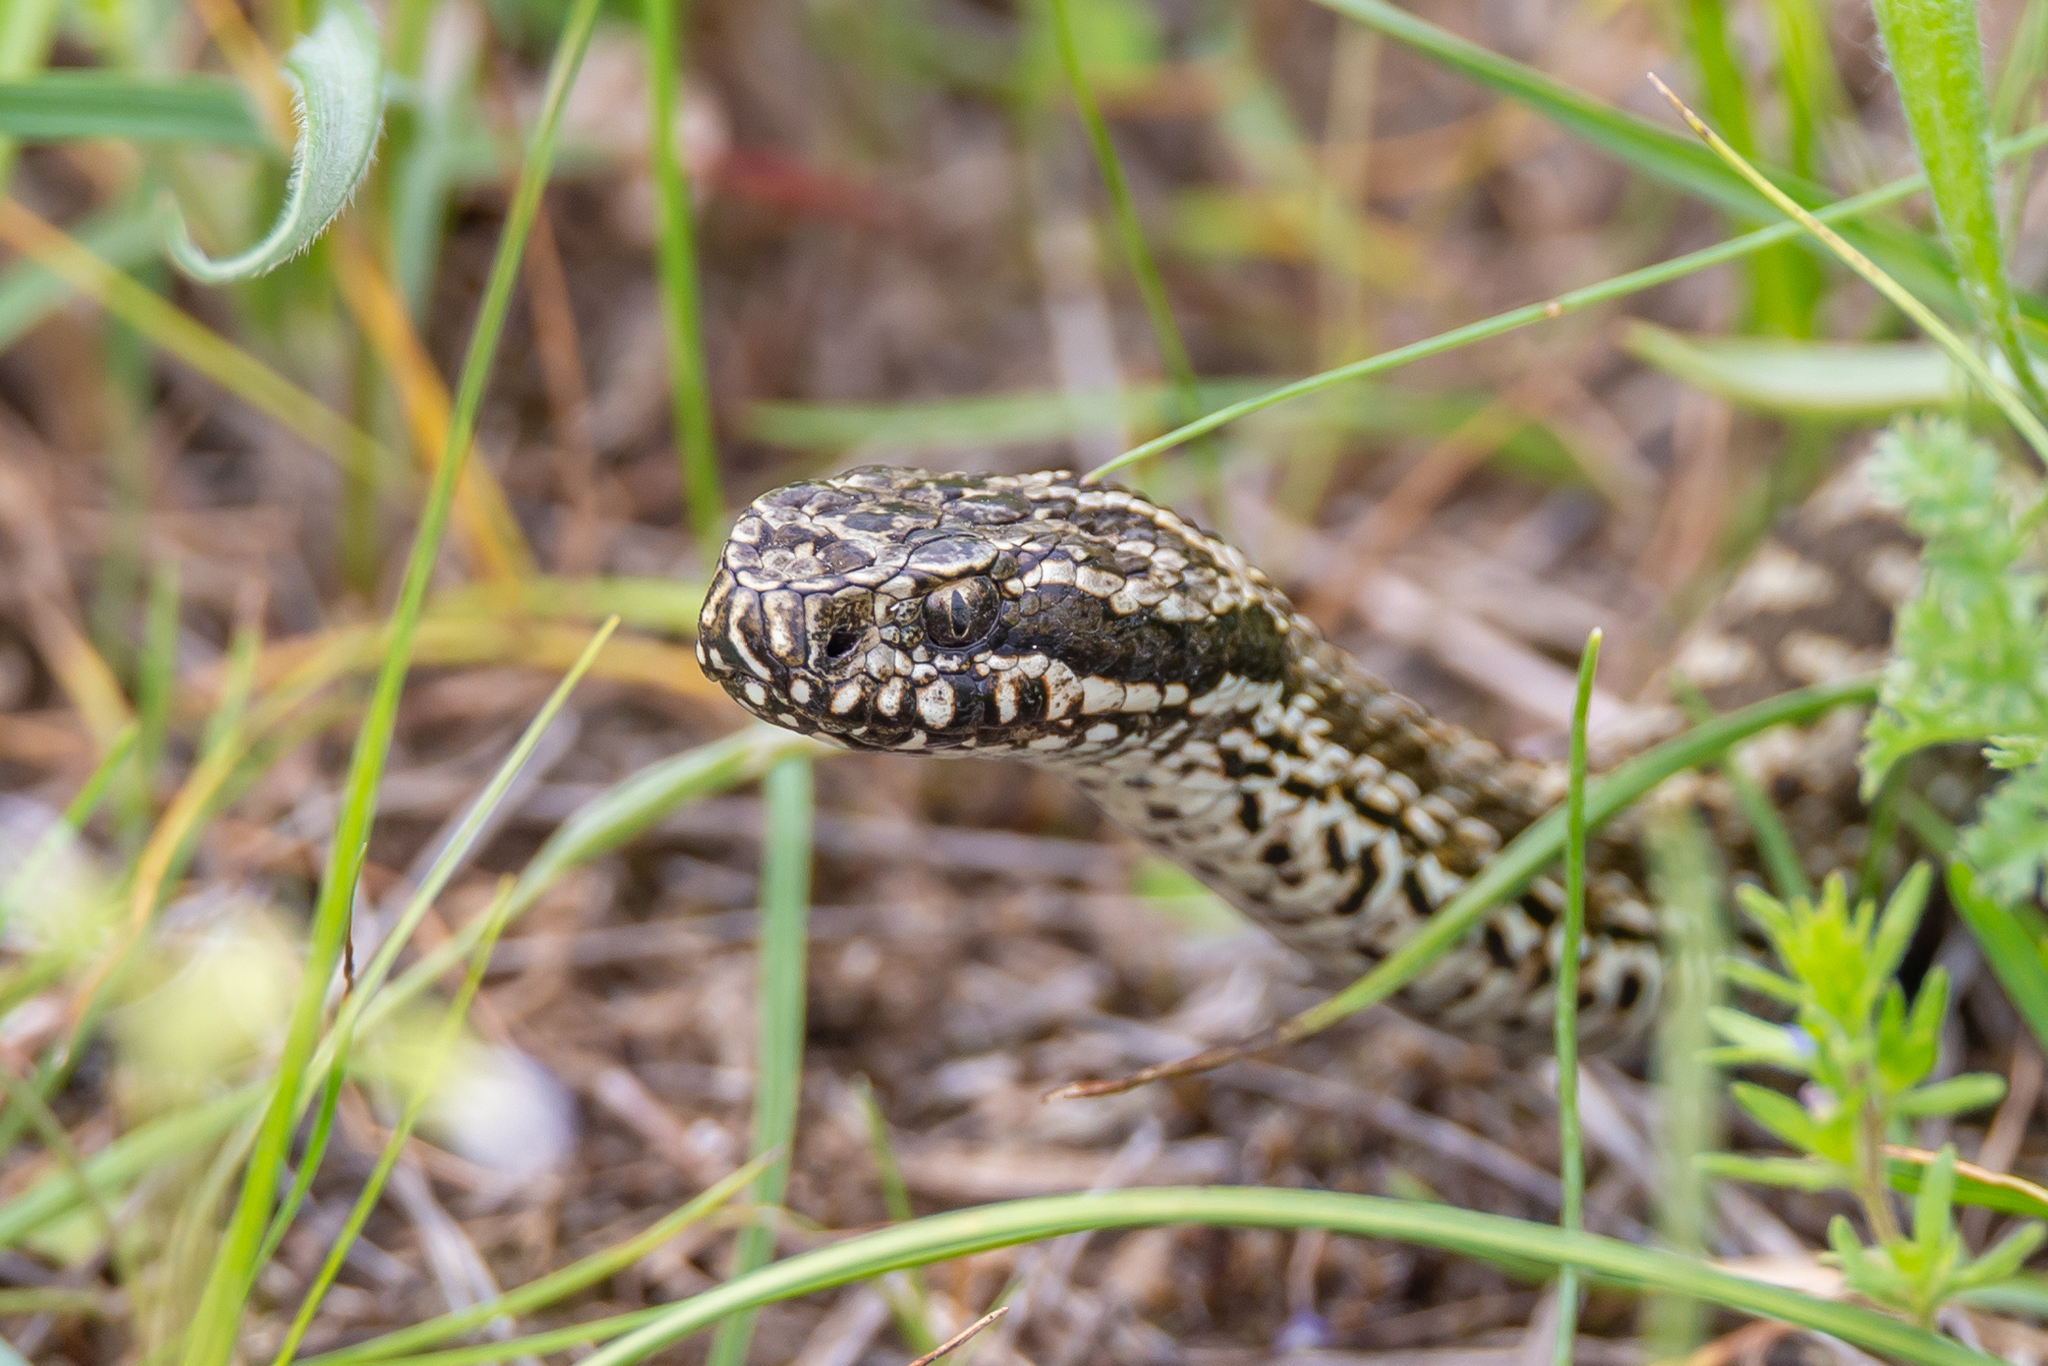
column 1089, row 632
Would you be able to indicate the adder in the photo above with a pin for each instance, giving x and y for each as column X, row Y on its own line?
column 1082, row 629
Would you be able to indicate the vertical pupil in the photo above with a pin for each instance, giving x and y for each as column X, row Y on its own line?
column 959, row 612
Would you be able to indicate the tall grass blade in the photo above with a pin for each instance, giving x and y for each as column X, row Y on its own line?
column 1813, row 93
column 1783, row 281
column 676, row 258
column 779, row 1018
column 2013, row 940
column 1571, row 1143
column 211, row 1342
column 423, row 1090
column 449, row 859
column 1937, row 62
column 906, row 1291
column 1123, row 208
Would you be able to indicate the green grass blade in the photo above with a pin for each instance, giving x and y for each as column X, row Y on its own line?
column 211, row 1342
column 965, row 1232
column 1773, row 841
column 676, row 258
column 438, row 1051
column 2026, row 59
column 121, row 1163
column 1812, row 88
column 2024, row 420
column 779, row 1014
column 620, row 814
column 60, row 106
column 1569, row 302
column 462, row 840
column 1571, row 1143
column 1784, row 282
column 309, row 1163
column 2012, row 941
column 1123, row 209
column 1937, row 61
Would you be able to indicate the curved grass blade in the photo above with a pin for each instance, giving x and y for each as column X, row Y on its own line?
column 965, row 1232
column 337, row 77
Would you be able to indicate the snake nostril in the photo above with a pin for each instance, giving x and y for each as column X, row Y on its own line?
column 843, row 641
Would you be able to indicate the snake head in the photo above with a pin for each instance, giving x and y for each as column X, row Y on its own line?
column 899, row 609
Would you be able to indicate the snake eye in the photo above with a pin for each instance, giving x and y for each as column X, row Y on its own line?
column 960, row 613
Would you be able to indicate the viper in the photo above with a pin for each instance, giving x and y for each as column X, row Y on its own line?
column 1087, row 631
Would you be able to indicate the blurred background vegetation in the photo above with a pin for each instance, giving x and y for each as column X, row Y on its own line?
column 289, row 295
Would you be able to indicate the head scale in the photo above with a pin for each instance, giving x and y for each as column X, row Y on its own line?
column 898, row 609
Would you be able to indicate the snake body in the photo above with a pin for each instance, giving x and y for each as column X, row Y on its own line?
column 1087, row 631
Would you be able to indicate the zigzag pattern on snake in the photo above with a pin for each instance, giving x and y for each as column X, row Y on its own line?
column 1090, row 632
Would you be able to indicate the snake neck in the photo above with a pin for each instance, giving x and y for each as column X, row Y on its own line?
column 1339, row 816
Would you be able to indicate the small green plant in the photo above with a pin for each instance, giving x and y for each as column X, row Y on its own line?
column 1866, row 1053
column 1921, row 1273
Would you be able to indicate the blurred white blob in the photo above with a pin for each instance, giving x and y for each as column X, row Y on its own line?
column 53, row 898
column 500, row 1109
column 209, row 997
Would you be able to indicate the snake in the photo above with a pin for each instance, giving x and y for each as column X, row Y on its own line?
column 1092, row 633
